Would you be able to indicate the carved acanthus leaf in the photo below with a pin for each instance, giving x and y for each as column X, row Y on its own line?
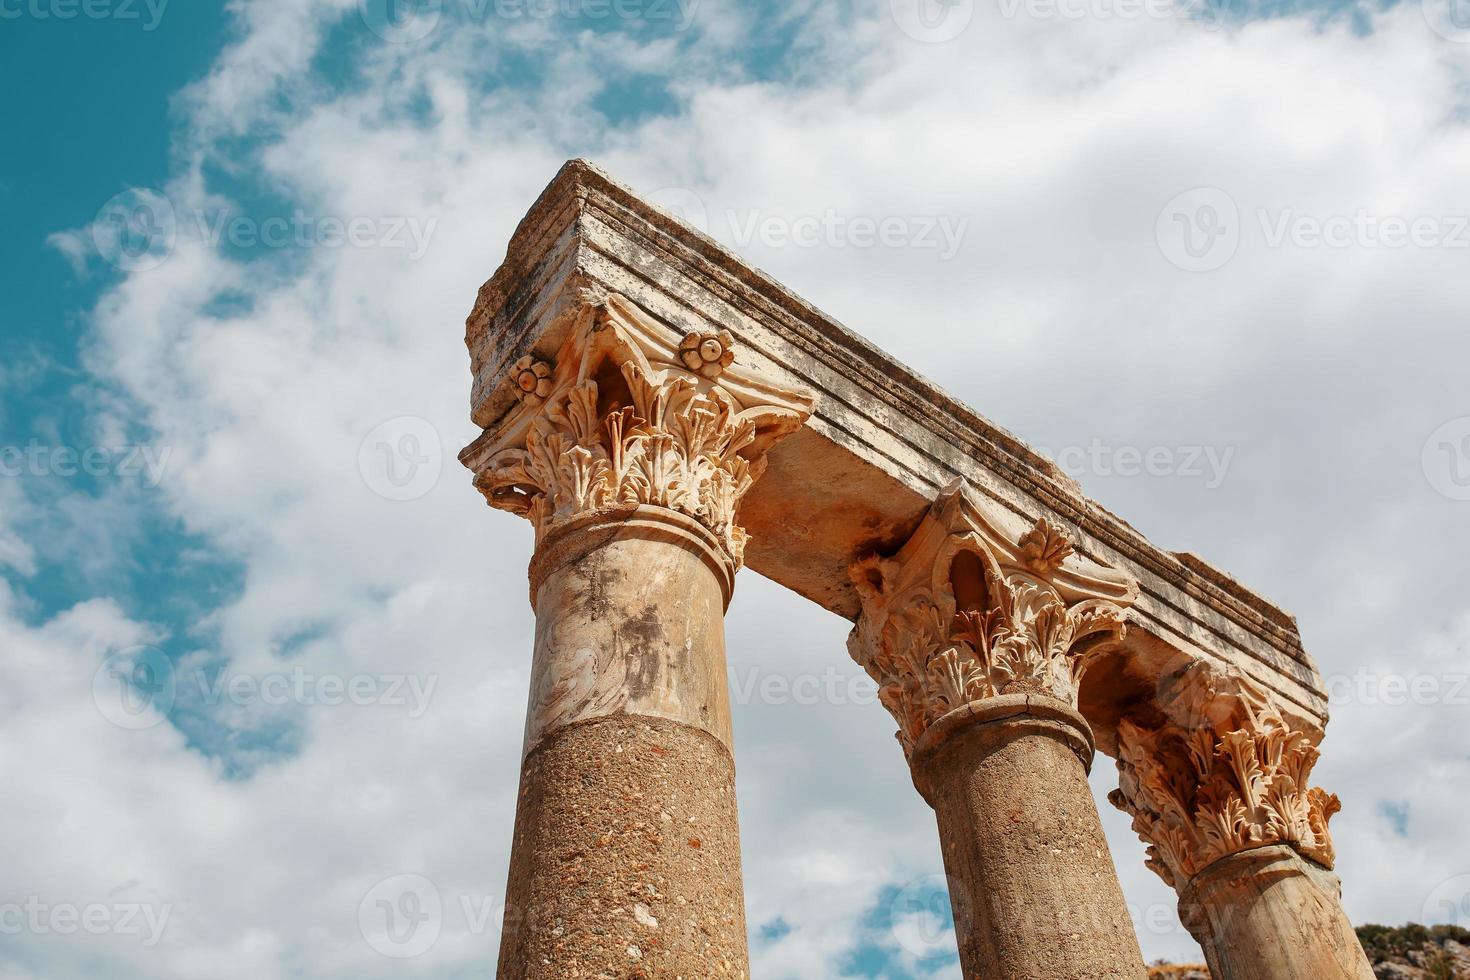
column 966, row 611
column 1045, row 547
column 622, row 420
column 1224, row 774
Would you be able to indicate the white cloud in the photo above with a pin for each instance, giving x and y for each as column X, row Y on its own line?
column 14, row 551
column 1060, row 141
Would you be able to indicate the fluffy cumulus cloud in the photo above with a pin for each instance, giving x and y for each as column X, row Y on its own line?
column 1111, row 228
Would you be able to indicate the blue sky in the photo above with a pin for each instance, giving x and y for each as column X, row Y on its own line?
column 80, row 137
column 1323, row 379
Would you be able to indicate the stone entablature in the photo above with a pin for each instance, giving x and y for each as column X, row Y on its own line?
column 967, row 610
column 626, row 413
column 880, row 445
column 1221, row 772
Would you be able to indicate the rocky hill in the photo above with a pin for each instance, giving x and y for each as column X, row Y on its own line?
column 1409, row 952
column 1415, row 952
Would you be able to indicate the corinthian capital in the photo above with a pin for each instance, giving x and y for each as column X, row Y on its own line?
column 969, row 609
column 628, row 412
column 1223, row 772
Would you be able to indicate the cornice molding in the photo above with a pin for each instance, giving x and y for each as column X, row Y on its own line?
column 885, row 439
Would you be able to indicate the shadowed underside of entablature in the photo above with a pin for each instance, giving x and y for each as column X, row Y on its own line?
column 882, row 444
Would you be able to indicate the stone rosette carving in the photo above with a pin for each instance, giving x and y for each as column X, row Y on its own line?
column 707, row 354
column 966, row 611
column 533, row 380
column 1224, row 773
column 627, row 414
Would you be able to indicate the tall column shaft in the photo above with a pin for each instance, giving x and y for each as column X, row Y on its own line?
column 1267, row 913
column 629, row 451
column 626, row 857
column 1032, row 883
column 978, row 632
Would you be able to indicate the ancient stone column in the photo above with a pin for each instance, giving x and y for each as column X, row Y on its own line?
column 629, row 451
column 977, row 632
column 1215, row 778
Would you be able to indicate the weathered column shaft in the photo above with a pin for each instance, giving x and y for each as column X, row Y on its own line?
column 627, row 848
column 629, row 451
column 977, row 636
column 1267, row 913
column 1033, row 886
column 1217, row 784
